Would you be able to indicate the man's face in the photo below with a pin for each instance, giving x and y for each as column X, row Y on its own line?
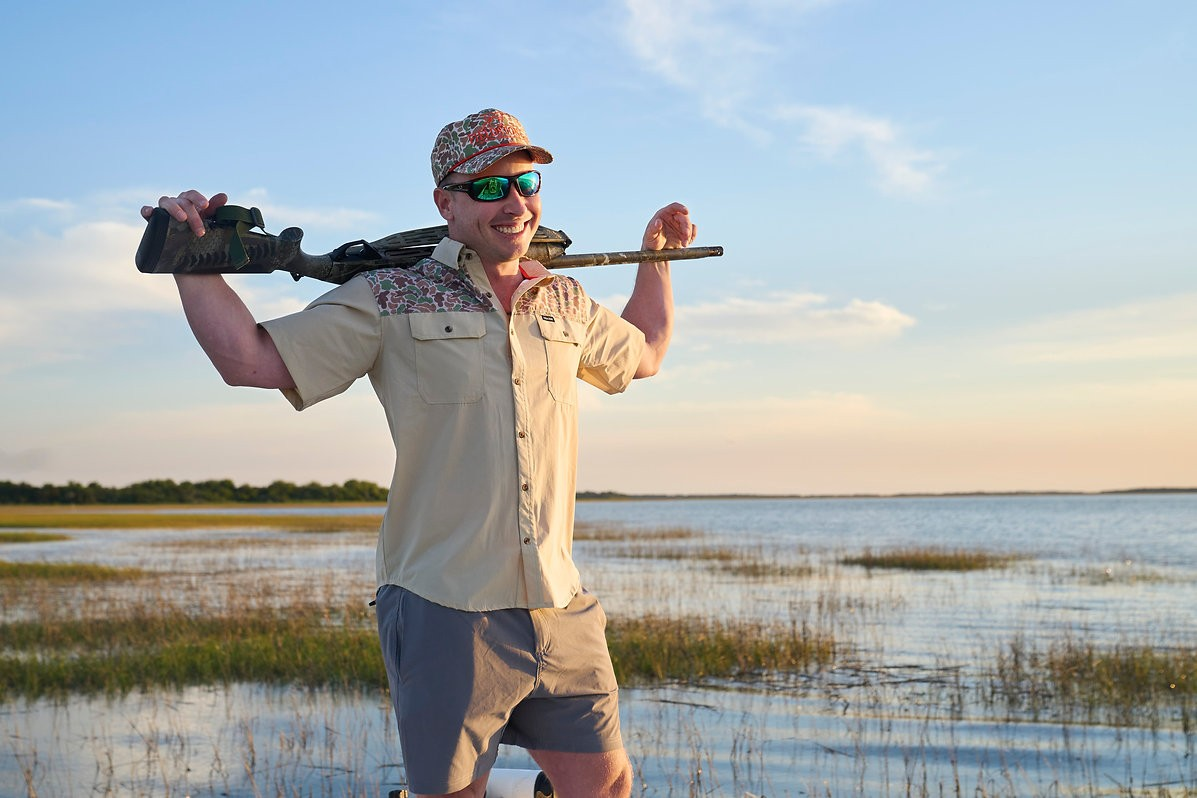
column 500, row 231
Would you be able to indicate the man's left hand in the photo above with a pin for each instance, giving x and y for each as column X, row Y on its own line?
column 670, row 228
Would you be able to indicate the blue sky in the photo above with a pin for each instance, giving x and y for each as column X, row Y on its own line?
column 960, row 238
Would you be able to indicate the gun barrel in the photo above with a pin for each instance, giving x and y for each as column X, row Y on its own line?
column 633, row 256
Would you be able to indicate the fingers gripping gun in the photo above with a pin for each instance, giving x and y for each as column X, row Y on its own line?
column 230, row 245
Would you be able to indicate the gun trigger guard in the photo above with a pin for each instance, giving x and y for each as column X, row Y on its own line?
column 367, row 252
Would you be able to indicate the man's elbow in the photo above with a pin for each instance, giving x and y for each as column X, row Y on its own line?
column 650, row 364
column 245, row 376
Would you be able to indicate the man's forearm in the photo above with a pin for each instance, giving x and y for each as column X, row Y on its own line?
column 650, row 309
column 242, row 352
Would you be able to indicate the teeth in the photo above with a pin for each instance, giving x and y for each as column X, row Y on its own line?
column 510, row 229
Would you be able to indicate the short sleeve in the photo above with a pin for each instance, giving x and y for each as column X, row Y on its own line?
column 330, row 343
column 613, row 350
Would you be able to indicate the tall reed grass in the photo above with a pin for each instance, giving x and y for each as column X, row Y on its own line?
column 924, row 558
column 1078, row 680
column 71, row 572
column 653, row 649
column 31, row 537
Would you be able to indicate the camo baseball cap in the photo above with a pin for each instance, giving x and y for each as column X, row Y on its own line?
column 474, row 143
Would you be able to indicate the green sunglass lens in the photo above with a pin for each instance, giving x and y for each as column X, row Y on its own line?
column 488, row 189
column 528, row 183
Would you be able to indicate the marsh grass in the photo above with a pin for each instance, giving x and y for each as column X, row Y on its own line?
column 1123, row 574
column 297, row 636
column 1126, row 684
column 727, row 559
column 650, row 551
column 240, row 543
column 31, row 537
column 930, row 558
column 174, row 648
column 767, row 569
column 654, row 649
column 596, row 532
column 73, row 572
column 21, row 517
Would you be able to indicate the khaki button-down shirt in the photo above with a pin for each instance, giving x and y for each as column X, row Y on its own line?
column 482, row 409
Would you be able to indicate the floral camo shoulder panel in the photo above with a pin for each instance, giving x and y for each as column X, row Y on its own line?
column 563, row 295
column 428, row 286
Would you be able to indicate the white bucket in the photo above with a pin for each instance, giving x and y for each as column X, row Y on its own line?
column 507, row 783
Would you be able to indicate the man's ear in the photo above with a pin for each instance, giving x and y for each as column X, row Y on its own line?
column 444, row 203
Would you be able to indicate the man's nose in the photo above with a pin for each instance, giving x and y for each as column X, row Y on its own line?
column 515, row 202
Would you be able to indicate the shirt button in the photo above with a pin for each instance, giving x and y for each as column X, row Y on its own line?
column 521, row 434
column 448, row 328
column 524, row 486
column 527, row 540
column 517, row 380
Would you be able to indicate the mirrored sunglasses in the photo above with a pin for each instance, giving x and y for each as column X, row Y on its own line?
column 496, row 187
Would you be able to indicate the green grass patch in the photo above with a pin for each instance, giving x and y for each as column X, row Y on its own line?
column 765, row 569
column 1125, row 684
column 737, row 562
column 31, row 537
column 654, row 649
column 587, row 531
column 652, row 551
column 19, row 517
column 308, row 646
column 176, row 649
column 930, row 558
column 66, row 572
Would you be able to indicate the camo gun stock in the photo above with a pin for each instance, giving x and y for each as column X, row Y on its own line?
column 230, row 246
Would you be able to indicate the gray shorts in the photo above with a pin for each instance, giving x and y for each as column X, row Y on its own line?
column 463, row 682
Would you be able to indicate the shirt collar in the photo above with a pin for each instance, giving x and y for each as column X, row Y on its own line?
column 455, row 253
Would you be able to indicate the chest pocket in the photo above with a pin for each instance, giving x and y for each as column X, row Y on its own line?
column 563, row 352
column 448, row 355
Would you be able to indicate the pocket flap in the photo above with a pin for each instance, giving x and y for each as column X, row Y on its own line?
column 555, row 328
column 444, row 326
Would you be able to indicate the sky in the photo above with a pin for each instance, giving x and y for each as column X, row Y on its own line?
column 961, row 238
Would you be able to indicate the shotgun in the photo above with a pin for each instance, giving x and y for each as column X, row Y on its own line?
column 230, row 245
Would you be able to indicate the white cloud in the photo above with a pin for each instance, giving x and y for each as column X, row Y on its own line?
column 830, row 132
column 65, row 292
column 737, row 89
column 1147, row 330
column 792, row 317
column 71, row 286
column 278, row 216
column 39, row 204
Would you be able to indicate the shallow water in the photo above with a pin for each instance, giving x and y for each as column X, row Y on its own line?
column 896, row 718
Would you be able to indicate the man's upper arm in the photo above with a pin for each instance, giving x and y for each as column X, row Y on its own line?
column 329, row 344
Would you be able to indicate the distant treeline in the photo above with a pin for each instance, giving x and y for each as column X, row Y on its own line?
column 167, row 491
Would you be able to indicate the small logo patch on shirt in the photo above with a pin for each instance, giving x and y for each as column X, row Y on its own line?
column 547, row 317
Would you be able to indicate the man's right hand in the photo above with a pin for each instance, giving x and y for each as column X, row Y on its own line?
column 190, row 206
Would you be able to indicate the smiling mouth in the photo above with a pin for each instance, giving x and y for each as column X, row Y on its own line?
column 511, row 229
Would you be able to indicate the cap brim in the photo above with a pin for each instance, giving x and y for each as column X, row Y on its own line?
column 484, row 160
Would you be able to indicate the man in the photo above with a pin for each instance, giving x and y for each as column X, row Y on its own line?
column 475, row 353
